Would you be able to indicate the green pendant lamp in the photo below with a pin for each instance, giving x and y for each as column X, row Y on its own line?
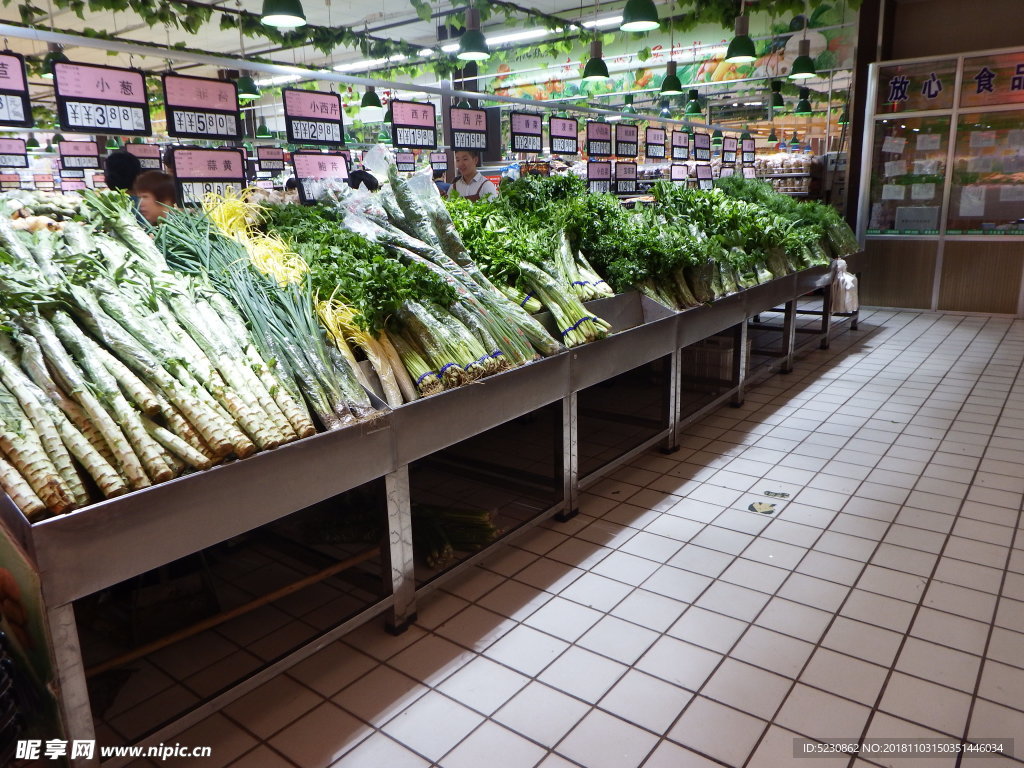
column 48, row 147
column 58, row 138
column 844, row 117
column 803, row 65
column 671, row 85
column 772, row 138
column 472, row 44
column 370, row 108
column 284, row 14
column 741, row 48
column 262, row 132
column 32, row 143
column 463, row 104
column 247, row 88
column 248, row 147
column 665, row 112
column 113, row 144
column 803, row 107
column 794, row 142
column 54, row 54
column 639, row 16
column 716, row 137
column 628, row 108
column 596, row 70
column 746, row 133
column 389, row 116
column 692, row 103
column 384, row 135
column 777, row 102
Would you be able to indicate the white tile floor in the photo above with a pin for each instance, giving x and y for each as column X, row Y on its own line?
column 668, row 626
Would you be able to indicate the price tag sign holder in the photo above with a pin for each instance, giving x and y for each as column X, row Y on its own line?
column 78, row 155
column 414, row 125
column 15, row 106
column 93, row 98
column 654, row 143
column 680, row 145
column 149, row 155
column 313, row 167
column 599, row 139
column 313, row 117
column 200, row 172
column 565, row 135
column 468, row 129
column 13, row 153
column 191, row 116
column 526, row 130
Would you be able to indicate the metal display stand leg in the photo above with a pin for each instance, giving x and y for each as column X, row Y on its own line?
column 675, row 381
column 788, row 337
column 403, row 572
column 570, row 458
column 739, row 362
column 73, row 696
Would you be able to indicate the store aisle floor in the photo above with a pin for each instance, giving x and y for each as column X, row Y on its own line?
column 877, row 591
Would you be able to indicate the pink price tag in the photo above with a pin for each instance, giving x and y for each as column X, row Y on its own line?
column 10, row 178
column 625, row 171
column 524, row 123
column 209, row 164
column 405, row 158
column 701, row 141
column 12, row 147
column 564, row 128
column 599, row 131
column 679, row 173
column 413, row 113
column 72, row 186
column 314, row 165
column 43, row 178
column 729, row 144
column 680, row 139
column 12, row 77
column 108, row 84
column 144, row 150
column 317, row 105
column 269, row 153
column 438, row 157
column 704, row 172
column 599, row 171
column 469, row 119
column 748, row 145
column 655, row 136
column 626, row 133
column 200, row 93
column 78, row 148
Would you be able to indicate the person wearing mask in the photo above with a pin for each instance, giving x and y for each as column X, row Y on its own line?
column 442, row 185
column 120, row 170
column 156, row 194
column 471, row 184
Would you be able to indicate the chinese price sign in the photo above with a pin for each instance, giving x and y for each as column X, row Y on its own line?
column 918, row 86
column 749, row 173
column 702, row 147
column 312, row 169
column 439, row 161
column 78, row 154
column 679, row 174
column 599, row 139
column 729, row 146
column 99, row 181
column 625, row 178
column 66, row 174
column 201, row 108
column 627, row 140
column 202, row 172
column 43, row 181
column 405, row 161
column 599, row 176
column 10, row 181
column 469, row 129
column 527, row 131
column 270, row 158
column 747, row 150
column 565, row 135
column 654, row 143
column 415, row 125
column 72, row 186
column 704, row 177
column 148, row 154
column 993, row 79
column 680, row 145
column 15, row 109
column 13, row 153
column 313, row 117
column 727, row 170
column 93, row 98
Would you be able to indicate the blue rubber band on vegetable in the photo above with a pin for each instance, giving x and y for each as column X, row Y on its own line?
column 523, row 302
column 496, row 353
column 581, row 282
column 475, row 362
column 445, row 367
column 579, row 322
column 421, row 378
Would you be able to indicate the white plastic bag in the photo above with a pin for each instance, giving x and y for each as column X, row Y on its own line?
column 844, row 289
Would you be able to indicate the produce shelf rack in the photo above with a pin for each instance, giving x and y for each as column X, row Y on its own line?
column 81, row 553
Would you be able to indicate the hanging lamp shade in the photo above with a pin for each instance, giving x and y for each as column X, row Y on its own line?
column 389, row 116
column 472, row 44
column 384, row 135
column 746, row 133
column 284, row 14
column 53, row 56
column 741, row 48
column 596, row 70
column 248, row 146
column 803, row 65
column 803, row 107
column 463, row 104
column 794, row 142
column 262, row 132
column 113, row 144
column 671, row 85
column 247, row 88
column 772, row 138
column 628, row 108
column 58, row 138
column 48, row 147
column 716, row 137
column 777, row 101
column 32, row 143
column 692, row 103
column 844, row 116
column 370, row 108
column 639, row 16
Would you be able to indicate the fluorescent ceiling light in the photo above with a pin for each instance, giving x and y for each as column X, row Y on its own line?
column 368, row 63
column 278, row 80
column 751, row 103
column 612, row 118
column 512, row 37
column 611, row 21
column 450, row 47
column 425, row 52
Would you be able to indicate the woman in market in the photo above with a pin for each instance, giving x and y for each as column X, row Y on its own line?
column 471, row 184
column 156, row 194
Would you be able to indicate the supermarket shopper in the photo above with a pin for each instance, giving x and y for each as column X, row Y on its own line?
column 120, row 170
column 471, row 184
column 156, row 194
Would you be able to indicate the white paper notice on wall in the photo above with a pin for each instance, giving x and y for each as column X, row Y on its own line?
column 928, row 142
column 896, row 168
column 983, row 139
column 894, row 192
column 922, row 191
column 1011, row 193
column 972, row 201
column 980, row 165
column 894, row 145
column 926, row 167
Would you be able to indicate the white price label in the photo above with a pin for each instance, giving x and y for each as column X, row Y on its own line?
column 206, row 123
column 193, row 192
column 105, row 116
column 316, row 130
column 12, row 109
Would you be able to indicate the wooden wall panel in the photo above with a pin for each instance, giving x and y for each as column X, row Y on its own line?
column 981, row 276
column 898, row 273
